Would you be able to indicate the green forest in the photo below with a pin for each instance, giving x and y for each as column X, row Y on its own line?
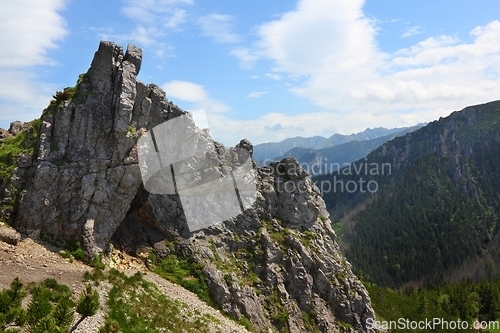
column 437, row 212
column 472, row 302
column 420, row 228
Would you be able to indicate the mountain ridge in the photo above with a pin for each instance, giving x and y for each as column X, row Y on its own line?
column 327, row 160
column 270, row 151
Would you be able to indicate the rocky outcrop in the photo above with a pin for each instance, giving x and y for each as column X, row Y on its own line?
column 86, row 172
column 15, row 128
column 276, row 263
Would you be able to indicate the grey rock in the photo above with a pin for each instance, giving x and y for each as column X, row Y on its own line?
column 273, row 262
column 86, row 174
column 9, row 235
column 16, row 127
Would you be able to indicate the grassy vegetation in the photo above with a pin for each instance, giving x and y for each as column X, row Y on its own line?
column 73, row 250
column 26, row 143
column 132, row 129
column 240, row 264
column 309, row 322
column 76, row 93
column 136, row 305
column 184, row 272
column 245, row 322
column 11, row 147
column 309, row 236
column 133, row 305
column 276, row 311
column 189, row 274
column 276, row 233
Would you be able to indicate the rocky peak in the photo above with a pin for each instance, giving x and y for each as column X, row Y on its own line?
column 276, row 263
column 86, row 171
column 15, row 128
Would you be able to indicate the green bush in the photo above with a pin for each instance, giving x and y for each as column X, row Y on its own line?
column 24, row 142
column 73, row 249
column 97, row 262
column 184, row 272
column 51, row 308
column 111, row 326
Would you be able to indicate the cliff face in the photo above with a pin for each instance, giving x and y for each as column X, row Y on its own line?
column 86, row 171
column 277, row 263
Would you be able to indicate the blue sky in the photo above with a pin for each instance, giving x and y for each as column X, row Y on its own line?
column 265, row 70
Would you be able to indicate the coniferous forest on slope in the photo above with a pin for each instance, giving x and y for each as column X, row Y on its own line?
column 421, row 228
column 436, row 213
column 468, row 300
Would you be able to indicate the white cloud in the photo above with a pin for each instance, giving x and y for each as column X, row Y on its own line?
column 245, row 56
column 412, row 31
column 256, row 94
column 219, row 28
column 29, row 31
column 194, row 94
column 319, row 35
column 154, row 20
column 166, row 13
column 331, row 47
column 273, row 76
column 186, row 91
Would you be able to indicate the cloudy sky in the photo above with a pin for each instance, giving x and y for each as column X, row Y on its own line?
column 265, row 70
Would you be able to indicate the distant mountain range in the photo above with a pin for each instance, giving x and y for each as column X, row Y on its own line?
column 324, row 155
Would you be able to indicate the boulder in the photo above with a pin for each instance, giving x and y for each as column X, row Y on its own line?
column 9, row 235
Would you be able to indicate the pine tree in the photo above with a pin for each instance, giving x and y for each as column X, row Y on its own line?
column 11, row 312
column 87, row 304
column 64, row 313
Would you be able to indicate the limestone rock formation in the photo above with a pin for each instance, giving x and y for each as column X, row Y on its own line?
column 86, row 172
column 276, row 264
